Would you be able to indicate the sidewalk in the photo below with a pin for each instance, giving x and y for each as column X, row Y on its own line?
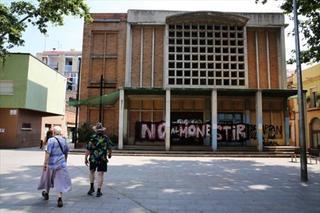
column 165, row 184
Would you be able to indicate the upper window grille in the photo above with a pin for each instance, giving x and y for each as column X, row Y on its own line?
column 206, row 55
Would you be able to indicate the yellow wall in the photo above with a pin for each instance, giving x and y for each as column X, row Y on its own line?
column 311, row 81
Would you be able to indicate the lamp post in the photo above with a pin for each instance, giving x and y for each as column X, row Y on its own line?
column 302, row 134
column 75, row 133
column 101, row 93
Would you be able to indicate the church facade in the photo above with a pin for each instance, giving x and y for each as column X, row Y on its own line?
column 187, row 79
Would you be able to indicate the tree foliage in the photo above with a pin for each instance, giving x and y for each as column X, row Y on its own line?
column 14, row 18
column 309, row 26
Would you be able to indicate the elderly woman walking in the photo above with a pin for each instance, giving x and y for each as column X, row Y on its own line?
column 55, row 174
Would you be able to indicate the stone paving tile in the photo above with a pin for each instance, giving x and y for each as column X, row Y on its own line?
column 165, row 184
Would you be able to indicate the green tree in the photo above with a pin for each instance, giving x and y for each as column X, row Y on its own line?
column 309, row 26
column 15, row 16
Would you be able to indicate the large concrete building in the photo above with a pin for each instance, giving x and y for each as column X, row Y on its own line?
column 311, row 83
column 26, row 96
column 206, row 79
column 67, row 63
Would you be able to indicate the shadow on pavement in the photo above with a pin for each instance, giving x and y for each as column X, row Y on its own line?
column 166, row 185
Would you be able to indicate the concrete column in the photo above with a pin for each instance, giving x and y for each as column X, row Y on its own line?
column 141, row 56
column 152, row 57
column 286, row 123
column 128, row 56
column 246, row 56
column 259, row 121
column 125, row 123
column 214, row 120
column 282, row 59
column 165, row 56
column 121, row 116
column 248, row 122
column 257, row 59
column 168, row 112
column 268, row 60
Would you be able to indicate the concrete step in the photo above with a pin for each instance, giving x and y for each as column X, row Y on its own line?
column 280, row 148
column 188, row 153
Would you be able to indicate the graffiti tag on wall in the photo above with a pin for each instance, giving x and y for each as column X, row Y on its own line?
column 151, row 131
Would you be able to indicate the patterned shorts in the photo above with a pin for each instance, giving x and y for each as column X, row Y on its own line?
column 100, row 166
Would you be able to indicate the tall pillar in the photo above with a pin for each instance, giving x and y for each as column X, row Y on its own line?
column 128, row 56
column 168, row 112
column 286, row 122
column 121, row 116
column 214, row 120
column 259, row 121
column 165, row 56
column 247, row 119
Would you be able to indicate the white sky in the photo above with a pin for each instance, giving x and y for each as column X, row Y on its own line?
column 70, row 35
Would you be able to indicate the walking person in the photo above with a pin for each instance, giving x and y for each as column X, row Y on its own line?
column 49, row 135
column 55, row 174
column 98, row 148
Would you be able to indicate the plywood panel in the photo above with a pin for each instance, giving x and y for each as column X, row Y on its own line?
column 266, row 117
column 188, row 104
column 158, row 104
column 135, row 104
column 175, row 105
column 147, row 104
column 133, row 118
column 199, row 104
column 146, row 116
column 158, row 116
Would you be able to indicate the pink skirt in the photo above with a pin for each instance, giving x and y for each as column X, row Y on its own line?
column 58, row 179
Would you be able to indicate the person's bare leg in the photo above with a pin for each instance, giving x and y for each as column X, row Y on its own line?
column 100, row 183
column 59, row 202
column 91, row 178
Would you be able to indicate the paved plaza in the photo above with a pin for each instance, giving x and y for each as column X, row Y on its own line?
column 165, row 184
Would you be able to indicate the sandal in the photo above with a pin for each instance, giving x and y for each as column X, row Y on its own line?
column 60, row 203
column 90, row 191
column 99, row 194
column 45, row 195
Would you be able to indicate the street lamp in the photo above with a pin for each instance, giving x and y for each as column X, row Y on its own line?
column 302, row 134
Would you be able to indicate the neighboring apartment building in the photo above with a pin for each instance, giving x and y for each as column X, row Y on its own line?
column 29, row 91
column 188, row 79
column 68, row 64
column 311, row 83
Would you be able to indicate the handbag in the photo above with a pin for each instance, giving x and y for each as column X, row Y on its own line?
column 61, row 148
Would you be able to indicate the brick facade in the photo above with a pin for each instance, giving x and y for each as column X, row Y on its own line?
column 104, row 43
column 144, row 64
